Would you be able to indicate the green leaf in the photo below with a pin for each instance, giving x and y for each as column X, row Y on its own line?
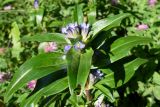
column 108, row 23
column 105, row 91
column 35, row 68
column 3, row 64
column 51, row 89
column 156, row 78
column 78, row 14
column 73, row 58
column 114, row 79
column 156, row 92
column 92, row 11
column 15, row 35
column 122, row 46
column 56, row 23
column 46, row 37
column 84, row 67
column 39, row 15
column 7, row 2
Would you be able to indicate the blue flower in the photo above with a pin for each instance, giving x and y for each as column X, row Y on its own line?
column 71, row 31
column 84, row 30
column 79, row 46
column 67, row 48
column 36, row 4
column 98, row 74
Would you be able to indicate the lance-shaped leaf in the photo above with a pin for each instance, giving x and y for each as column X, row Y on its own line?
column 84, row 67
column 122, row 46
column 78, row 14
column 15, row 35
column 46, row 37
column 119, row 77
column 73, row 58
column 51, row 89
column 108, row 23
column 35, row 68
column 105, row 91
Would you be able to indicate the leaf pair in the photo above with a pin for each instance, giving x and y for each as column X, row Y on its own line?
column 79, row 65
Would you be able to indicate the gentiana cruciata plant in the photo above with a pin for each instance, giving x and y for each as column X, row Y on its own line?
column 83, row 65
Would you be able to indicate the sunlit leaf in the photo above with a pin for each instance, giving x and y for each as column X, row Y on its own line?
column 84, row 67
column 15, row 35
column 35, row 68
column 78, row 14
column 122, row 46
column 73, row 58
column 46, row 37
column 108, row 23
column 51, row 89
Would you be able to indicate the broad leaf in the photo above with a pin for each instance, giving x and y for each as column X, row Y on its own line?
column 46, row 37
column 119, row 77
column 73, row 58
column 122, row 46
column 108, row 23
column 84, row 67
column 35, row 68
column 51, row 89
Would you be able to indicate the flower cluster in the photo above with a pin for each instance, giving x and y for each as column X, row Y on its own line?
column 74, row 30
column 31, row 85
column 152, row 2
column 50, row 47
column 77, row 46
column 142, row 27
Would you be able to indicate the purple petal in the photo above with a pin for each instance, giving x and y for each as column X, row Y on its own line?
column 142, row 27
column 67, row 48
column 79, row 45
column 64, row 30
column 36, row 5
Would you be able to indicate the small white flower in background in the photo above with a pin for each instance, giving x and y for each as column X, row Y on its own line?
column 7, row 7
column 142, row 27
column 50, row 47
column 31, row 85
column 152, row 2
